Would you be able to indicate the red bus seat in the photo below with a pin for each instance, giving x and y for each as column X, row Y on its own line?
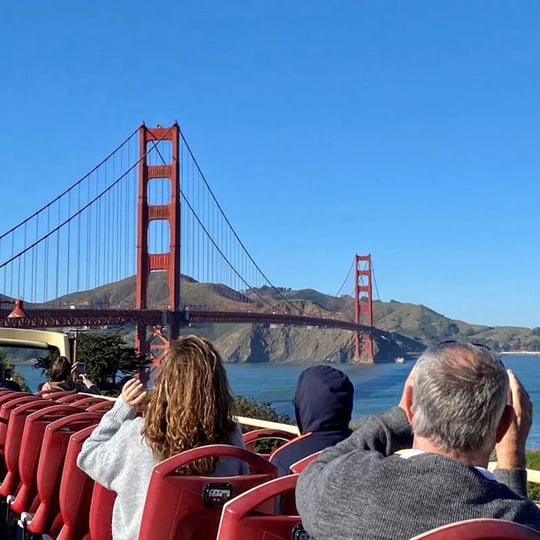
column 279, row 436
column 481, row 529
column 5, row 397
column 75, row 491
column 189, row 507
column 301, row 464
column 242, row 517
column 103, row 406
column 8, row 394
column 54, row 394
column 68, row 397
column 85, row 400
column 47, row 518
column 101, row 508
column 288, row 501
column 32, row 437
column 7, row 404
column 23, row 407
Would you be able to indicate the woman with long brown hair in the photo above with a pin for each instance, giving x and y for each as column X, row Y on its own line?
column 190, row 406
column 65, row 377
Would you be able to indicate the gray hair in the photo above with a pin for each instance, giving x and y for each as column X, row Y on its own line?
column 459, row 394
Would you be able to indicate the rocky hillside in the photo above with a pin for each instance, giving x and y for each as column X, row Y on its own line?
column 412, row 327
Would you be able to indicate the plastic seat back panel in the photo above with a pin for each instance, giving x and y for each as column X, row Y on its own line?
column 103, row 407
column 7, row 399
column 243, row 519
column 85, row 401
column 18, row 411
column 101, row 508
column 76, row 490
column 47, row 517
column 252, row 439
column 32, row 437
column 175, row 504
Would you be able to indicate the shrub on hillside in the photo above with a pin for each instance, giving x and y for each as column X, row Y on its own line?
column 262, row 411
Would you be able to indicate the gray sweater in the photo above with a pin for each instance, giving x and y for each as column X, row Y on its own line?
column 117, row 456
column 358, row 489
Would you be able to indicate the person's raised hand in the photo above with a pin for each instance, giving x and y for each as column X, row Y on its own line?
column 133, row 392
column 86, row 380
column 511, row 448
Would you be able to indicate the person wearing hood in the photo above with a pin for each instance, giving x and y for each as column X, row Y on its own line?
column 323, row 404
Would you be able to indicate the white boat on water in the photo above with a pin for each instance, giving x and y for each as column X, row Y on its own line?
column 399, row 360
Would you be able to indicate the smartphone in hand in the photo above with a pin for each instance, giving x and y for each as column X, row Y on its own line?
column 81, row 368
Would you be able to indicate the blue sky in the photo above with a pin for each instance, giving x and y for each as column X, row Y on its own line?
column 409, row 130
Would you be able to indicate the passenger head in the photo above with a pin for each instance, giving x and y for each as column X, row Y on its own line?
column 191, row 404
column 323, row 400
column 459, row 394
column 60, row 369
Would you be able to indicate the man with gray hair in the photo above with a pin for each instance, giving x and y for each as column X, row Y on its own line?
column 458, row 404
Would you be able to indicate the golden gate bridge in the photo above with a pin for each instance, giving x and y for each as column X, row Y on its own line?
column 148, row 211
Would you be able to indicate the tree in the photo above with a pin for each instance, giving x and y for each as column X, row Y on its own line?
column 263, row 411
column 6, row 363
column 255, row 409
column 107, row 357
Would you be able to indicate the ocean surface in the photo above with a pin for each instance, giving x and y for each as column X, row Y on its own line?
column 377, row 387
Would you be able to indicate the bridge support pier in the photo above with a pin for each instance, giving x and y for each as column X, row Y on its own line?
column 363, row 305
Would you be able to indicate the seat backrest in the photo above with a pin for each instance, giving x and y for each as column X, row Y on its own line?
column 101, row 508
column 189, row 507
column 103, row 406
column 47, row 518
column 75, row 491
column 32, row 437
column 13, row 398
column 273, row 438
column 9, row 394
column 54, row 394
column 481, row 529
column 22, row 408
column 68, row 397
column 288, row 500
column 242, row 516
column 301, row 464
column 6, row 398
column 84, row 401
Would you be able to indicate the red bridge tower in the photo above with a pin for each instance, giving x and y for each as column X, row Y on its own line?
column 149, row 139
column 363, row 304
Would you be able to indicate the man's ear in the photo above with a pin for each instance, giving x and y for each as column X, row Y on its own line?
column 505, row 421
column 407, row 402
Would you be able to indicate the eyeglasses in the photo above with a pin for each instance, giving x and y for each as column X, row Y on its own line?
column 478, row 345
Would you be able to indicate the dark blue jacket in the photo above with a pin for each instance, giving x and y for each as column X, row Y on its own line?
column 323, row 404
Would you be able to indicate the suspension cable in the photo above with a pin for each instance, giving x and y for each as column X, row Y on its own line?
column 345, row 280
column 379, row 297
column 286, row 300
column 70, row 188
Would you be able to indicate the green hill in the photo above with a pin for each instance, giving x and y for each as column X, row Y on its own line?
column 411, row 327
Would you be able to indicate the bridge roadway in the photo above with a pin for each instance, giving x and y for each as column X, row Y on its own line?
column 62, row 318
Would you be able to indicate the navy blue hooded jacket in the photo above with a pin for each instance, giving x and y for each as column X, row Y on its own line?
column 323, row 404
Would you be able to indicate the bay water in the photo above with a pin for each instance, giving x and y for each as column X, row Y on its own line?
column 377, row 386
